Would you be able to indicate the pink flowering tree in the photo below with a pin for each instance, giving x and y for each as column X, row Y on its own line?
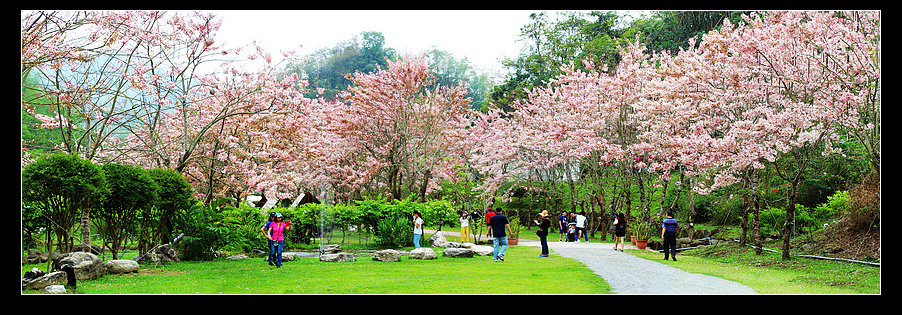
column 771, row 90
column 400, row 130
column 579, row 118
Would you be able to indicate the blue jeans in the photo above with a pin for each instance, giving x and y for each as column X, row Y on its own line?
column 500, row 244
column 583, row 230
column 272, row 253
column 544, row 239
column 416, row 240
column 278, row 254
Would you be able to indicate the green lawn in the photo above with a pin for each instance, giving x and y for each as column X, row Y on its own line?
column 521, row 273
column 769, row 274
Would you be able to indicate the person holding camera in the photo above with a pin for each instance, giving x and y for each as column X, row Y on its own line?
column 276, row 234
column 543, row 232
column 464, row 227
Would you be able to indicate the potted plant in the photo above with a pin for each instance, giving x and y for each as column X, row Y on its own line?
column 514, row 238
column 643, row 233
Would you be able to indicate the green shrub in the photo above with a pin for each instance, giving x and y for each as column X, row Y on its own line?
column 834, row 207
column 773, row 219
column 395, row 229
column 206, row 230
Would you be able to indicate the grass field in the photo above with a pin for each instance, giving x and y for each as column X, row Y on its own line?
column 770, row 274
column 521, row 273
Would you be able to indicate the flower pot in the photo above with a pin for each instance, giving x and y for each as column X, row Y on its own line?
column 641, row 243
column 512, row 241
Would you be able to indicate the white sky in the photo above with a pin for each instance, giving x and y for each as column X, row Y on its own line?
column 484, row 37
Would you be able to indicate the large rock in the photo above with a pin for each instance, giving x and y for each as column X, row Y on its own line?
column 48, row 279
column 422, row 253
column 55, row 289
column 438, row 240
column 289, row 257
column 331, row 249
column 387, row 255
column 165, row 253
column 121, row 266
column 458, row 252
column 483, row 250
column 35, row 257
column 340, row 257
column 86, row 265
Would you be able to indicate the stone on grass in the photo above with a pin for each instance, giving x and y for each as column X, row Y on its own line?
column 340, row 257
column 55, row 289
column 483, row 250
column 121, row 266
column 438, row 240
column 387, row 255
column 48, row 279
column 86, row 265
column 458, row 252
column 422, row 253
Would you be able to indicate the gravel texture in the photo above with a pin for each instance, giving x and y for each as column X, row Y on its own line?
column 628, row 274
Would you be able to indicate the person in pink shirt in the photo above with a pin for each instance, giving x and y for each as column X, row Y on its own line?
column 276, row 234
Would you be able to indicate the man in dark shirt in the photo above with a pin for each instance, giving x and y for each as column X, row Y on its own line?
column 668, row 234
column 499, row 224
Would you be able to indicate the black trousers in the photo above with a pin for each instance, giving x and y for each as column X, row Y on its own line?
column 669, row 244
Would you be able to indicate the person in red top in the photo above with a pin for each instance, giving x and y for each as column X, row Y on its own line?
column 276, row 234
column 488, row 217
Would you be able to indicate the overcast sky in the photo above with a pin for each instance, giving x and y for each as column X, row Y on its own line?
column 484, row 37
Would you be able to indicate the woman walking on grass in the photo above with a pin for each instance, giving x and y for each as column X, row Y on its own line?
column 276, row 234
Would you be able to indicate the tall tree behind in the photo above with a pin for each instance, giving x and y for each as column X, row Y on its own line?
column 325, row 69
column 550, row 45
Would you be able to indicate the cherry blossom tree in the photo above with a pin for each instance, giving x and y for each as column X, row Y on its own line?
column 769, row 91
column 402, row 128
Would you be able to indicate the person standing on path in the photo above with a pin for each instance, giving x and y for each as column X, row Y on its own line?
column 499, row 224
column 277, row 229
column 620, row 230
column 668, row 234
column 562, row 224
column 543, row 232
column 464, row 227
column 417, row 228
column 581, row 226
column 271, row 258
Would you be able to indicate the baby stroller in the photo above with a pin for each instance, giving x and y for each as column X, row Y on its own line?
column 571, row 232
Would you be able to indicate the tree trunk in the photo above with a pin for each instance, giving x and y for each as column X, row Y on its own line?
column 426, row 178
column 691, row 210
column 789, row 226
column 86, row 224
column 757, row 223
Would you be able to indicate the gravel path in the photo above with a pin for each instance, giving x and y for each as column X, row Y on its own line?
column 628, row 274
